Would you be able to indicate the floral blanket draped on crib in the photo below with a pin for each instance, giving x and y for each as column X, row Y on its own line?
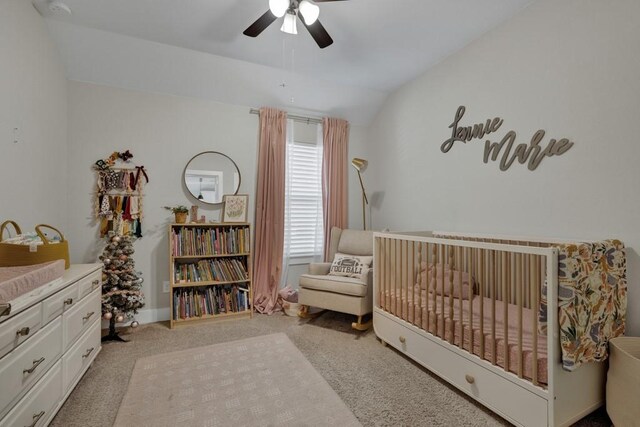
column 592, row 300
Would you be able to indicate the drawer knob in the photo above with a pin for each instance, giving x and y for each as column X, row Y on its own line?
column 23, row 332
column 36, row 418
column 89, row 351
column 36, row 363
column 68, row 301
column 469, row 379
column 402, row 339
column 88, row 316
column 95, row 282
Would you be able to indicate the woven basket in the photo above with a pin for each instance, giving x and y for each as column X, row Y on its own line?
column 12, row 255
column 623, row 381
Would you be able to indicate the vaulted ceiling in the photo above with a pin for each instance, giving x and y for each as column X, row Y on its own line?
column 378, row 44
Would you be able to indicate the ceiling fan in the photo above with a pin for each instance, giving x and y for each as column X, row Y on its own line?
column 291, row 9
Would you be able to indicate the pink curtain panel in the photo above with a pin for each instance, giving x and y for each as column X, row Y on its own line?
column 334, row 176
column 269, row 240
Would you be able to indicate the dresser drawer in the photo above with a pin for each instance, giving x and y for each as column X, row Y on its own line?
column 89, row 284
column 76, row 320
column 60, row 302
column 16, row 330
column 21, row 368
column 38, row 405
column 79, row 357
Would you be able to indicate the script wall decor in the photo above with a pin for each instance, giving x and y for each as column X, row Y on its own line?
column 531, row 154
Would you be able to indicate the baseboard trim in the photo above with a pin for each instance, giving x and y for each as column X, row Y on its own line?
column 152, row 315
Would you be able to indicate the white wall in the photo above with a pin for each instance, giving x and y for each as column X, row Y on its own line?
column 163, row 132
column 568, row 67
column 33, row 99
column 116, row 60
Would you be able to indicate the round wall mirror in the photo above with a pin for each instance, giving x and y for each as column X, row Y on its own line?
column 210, row 175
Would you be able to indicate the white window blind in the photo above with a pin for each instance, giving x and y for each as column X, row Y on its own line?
column 303, row 207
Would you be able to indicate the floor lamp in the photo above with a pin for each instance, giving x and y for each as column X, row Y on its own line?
column 361, row 165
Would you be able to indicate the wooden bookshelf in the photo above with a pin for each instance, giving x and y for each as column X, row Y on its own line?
column 199, row 253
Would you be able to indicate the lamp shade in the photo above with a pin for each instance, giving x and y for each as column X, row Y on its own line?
column 309, row 11
column 278, row 7
column 289, row 24
column 359, row 164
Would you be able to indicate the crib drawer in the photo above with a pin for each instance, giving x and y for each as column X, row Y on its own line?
column 502, row 395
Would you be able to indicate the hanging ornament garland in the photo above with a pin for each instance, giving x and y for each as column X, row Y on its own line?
column 119, row 194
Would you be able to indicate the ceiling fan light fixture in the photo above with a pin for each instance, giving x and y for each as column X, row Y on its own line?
column 309, row 11
column 289, row 24
column 278, row 7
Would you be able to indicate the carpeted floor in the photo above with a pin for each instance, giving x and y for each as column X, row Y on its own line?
column 380, row 386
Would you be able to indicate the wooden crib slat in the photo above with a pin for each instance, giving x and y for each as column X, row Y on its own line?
column 380, row 262
column 424, row 255
column 394, row 278
column 452, row 326
column 505, row 305
column 397, row 299
column 376, row 261
column 460, row 266
column 493, row 283
column 483, row 281
column 387, row 286
column 534, row 268
column 443, row 258
column 428, row 286
column 520, row 283
column 403, row 263
column 410, row 278
column 415, row 282
column 376, row 277
column 470, row 254
column 406, row 280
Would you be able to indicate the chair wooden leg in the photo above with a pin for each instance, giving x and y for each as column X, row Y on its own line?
column 305, row 312
column 360, row 326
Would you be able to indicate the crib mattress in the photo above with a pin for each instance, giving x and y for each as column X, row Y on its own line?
column 17, row 281
column 417, row 315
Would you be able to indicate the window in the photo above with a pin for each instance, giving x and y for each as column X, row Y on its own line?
column 303, row 199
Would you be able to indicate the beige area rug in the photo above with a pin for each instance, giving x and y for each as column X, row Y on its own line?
column 261, row 381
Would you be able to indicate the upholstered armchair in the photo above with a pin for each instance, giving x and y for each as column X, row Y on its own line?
column 353, row 295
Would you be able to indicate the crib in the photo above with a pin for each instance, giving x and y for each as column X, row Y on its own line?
column 482, row 313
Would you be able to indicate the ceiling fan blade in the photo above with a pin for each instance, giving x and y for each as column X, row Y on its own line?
column 260, row 25
column 319, row 34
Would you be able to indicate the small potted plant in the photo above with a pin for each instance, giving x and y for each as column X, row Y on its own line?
column 180, row 212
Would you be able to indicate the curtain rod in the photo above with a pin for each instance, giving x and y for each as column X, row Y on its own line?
column 303, row 119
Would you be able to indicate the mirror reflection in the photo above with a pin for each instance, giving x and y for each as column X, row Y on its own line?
column 210, row 175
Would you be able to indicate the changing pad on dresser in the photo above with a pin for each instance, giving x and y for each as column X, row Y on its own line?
column 17, row 281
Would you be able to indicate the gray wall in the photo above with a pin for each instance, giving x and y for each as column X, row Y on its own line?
column 33, row 98
column 163, row 132
column 567, row 67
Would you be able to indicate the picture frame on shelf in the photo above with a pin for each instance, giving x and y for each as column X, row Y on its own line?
column 235, row 208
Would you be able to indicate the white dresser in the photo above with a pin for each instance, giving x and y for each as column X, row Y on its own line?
column 47, row 343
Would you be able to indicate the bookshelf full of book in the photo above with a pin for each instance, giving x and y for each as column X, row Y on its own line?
column 209, row 271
